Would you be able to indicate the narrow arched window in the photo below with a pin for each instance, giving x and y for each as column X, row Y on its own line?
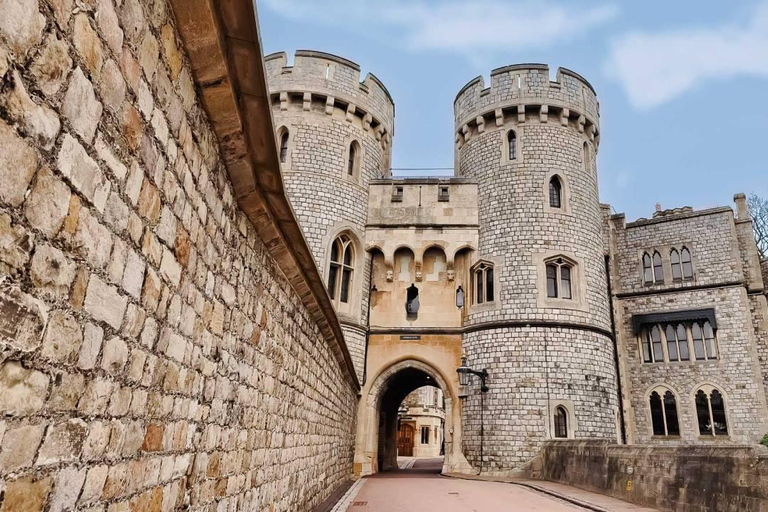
column 653, row 349
column 674, row 260
column 647, row 268
column 512, row 145
column 685, row 255
column 710, row 412
column 559, row 279
column 555, row 192
column 412, row 302
column 341, row 269
column 664, row 413
column 677, row 342
column 585, row 158
column 483, row 282
column 561, row 422
column 704, row 346
column 284, row 147
column 552, row 280
column 658, row 271
column 353, row 159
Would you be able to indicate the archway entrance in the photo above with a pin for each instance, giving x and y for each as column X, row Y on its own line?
column 378, row 426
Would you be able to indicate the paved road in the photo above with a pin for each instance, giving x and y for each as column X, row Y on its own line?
column 422, row 489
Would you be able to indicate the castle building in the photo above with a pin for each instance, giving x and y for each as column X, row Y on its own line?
column 420, row 428
column 590, row 327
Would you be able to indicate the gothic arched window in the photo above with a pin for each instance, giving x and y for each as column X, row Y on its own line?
column 561, row 422
column 674, row 259
column 677, row 342
column 512, row 145
column 658, row 270
column 685, row 256
column 284, row 146
column 710, row 411
column 353, row 159
column 483, row 283
column 559, row 279
column 647, row 268
column 664, row 413
column 555, row 192
column 341, row 269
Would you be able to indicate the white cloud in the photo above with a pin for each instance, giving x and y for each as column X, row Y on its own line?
column 457, row 26
column 654, row 68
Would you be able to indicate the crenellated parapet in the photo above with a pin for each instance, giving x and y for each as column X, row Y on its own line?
column 524, row 92
column 333, row 81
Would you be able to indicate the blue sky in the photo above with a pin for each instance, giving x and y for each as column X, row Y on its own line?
column 683, row 85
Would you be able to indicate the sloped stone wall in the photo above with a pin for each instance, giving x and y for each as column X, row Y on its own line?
column 152, row 354
column 673, row 478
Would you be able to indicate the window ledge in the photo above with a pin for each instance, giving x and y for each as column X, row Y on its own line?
column 715, row 439
column 666, row 438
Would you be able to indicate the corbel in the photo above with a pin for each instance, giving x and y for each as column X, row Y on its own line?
column 307, row 101
column 329, row 102
column 564, row 114
column 499, row 117
column 544, row 114
column 591, row 132
column 480, row 120
column 582, row 121
column 466, row 132
column 367, row 121
column 350, row 112
column 283, row 101
column 521, row 114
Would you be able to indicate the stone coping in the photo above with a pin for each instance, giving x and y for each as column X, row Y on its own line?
column 224, row 47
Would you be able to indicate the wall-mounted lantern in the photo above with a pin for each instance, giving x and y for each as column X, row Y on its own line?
column 465, row 371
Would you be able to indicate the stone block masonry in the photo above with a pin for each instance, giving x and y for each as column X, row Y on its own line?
column 674, row 478
column 153, row 356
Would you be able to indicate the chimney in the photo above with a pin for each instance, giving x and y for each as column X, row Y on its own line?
column 658, row 207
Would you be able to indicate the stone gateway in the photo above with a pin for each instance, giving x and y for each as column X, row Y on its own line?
column 214, row 295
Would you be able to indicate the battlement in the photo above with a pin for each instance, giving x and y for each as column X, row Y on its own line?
column 330, row 76
column 524, row 86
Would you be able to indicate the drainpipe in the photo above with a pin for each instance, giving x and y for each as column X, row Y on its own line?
column 615, row 349
column 368, row 323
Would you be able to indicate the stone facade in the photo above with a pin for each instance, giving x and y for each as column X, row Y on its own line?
column 153, row 353
column 577, row 354
column 423, row 413
column 323, row 110
column 540, row 352
column 167, row 340
column 720, row 280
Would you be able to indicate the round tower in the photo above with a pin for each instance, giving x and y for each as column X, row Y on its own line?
column 334, row 134
column 539, row 318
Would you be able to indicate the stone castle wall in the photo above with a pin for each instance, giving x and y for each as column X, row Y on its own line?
column 532, row 371
column 153, row 354
column 324, row 107
column 539, row 352
column 670, row 478
column 718, row 282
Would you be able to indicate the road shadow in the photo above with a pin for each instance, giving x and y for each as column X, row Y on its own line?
column 431, row 467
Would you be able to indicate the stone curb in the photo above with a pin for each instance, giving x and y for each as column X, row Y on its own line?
column 543, row 490
column 345, row 501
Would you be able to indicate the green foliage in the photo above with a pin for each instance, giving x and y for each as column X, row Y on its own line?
column 764, row 440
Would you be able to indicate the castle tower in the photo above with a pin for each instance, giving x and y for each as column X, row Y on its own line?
column 335, row 136
column 539, row 319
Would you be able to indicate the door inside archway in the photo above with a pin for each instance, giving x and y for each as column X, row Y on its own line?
column 405, row 440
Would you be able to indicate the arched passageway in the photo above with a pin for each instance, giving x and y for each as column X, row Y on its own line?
column 376, row 448
column 396, row 389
